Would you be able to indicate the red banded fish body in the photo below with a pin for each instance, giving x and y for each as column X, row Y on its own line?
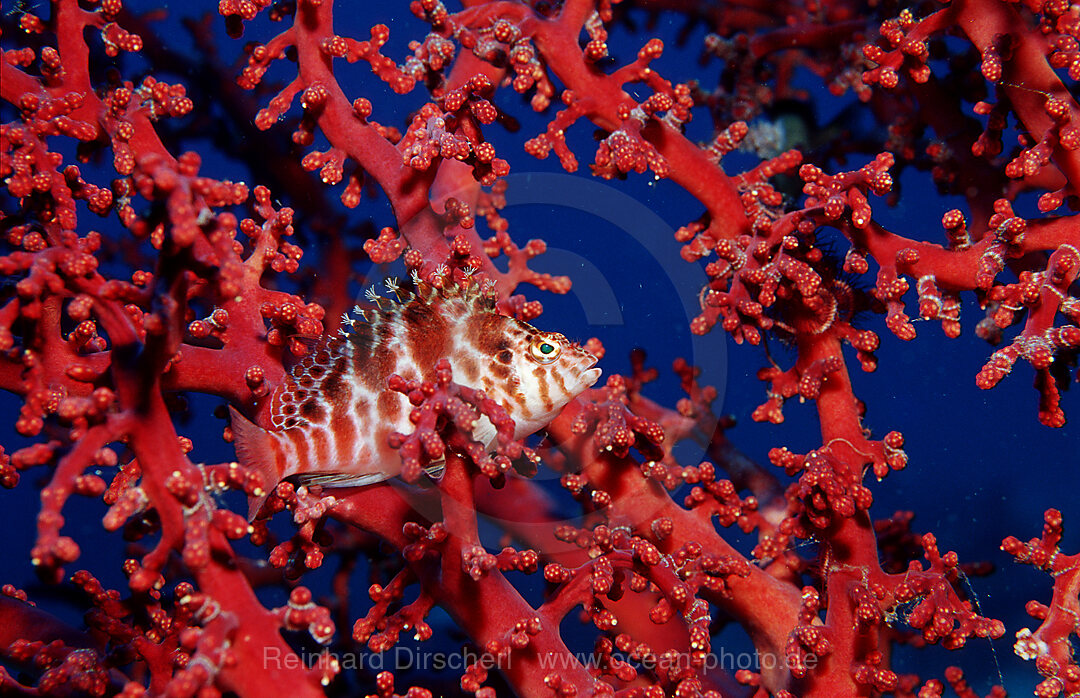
column 333, row 414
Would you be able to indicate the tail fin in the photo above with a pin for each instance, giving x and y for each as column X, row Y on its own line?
column 255, row 452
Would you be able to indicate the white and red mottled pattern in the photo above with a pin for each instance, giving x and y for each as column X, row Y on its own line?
column 332, row 415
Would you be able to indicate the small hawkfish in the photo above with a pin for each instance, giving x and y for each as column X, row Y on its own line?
column 333, row 414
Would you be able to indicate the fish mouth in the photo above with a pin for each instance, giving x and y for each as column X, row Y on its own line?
column 590, row 376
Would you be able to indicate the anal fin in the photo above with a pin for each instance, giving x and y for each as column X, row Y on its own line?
column 338, row 479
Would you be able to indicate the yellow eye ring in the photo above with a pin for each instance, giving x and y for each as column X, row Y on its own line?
column 543, row 351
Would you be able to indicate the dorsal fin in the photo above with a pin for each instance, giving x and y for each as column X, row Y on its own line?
column 362, row 325
column 308, row 341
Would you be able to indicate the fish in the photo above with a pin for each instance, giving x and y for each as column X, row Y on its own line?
column 332, row 416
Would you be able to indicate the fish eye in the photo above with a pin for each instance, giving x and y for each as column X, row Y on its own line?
column 543, row 351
